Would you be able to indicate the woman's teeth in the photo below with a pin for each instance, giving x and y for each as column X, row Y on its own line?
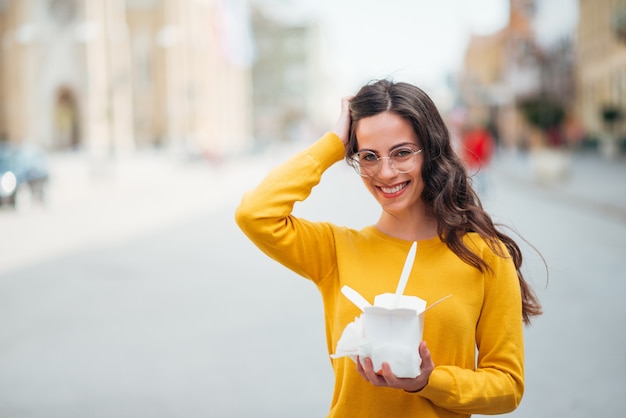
column 394, row 189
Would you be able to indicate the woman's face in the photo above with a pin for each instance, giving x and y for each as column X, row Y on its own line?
column 397, row 193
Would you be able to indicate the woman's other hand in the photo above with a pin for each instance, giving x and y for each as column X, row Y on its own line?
column 388, row 379
column 342, row 127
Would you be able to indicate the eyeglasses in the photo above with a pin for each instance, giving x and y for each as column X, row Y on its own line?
column 367, row 163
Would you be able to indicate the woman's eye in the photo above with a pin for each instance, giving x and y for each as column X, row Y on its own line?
column 368, row 156
column 405, row 152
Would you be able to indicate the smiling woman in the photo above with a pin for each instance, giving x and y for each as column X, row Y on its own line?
column 395, row 138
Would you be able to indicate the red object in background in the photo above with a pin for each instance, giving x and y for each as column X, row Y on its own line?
column 478, row 147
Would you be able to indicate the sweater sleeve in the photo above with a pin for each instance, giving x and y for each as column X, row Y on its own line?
column 264, row 213
column 497, row 384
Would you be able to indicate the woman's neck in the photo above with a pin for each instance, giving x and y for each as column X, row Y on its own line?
column 413, row 227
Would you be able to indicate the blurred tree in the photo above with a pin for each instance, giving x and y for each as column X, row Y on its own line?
column 619, row 25
column 542, row 113
column 611, row 114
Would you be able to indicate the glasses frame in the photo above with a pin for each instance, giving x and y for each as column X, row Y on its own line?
column 356, row 165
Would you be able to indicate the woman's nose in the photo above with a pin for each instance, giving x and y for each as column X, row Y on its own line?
column 385, row 168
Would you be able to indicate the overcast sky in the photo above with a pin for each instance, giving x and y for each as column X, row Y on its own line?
column 416, row 40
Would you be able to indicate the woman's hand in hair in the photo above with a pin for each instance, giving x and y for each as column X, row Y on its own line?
column 342, row 127
column 385, row 377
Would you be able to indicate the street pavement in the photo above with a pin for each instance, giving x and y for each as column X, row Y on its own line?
column 575, row 351
column 586, row 180
column 133, row 294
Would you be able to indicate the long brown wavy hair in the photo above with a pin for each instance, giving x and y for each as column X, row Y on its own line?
column 448, row 188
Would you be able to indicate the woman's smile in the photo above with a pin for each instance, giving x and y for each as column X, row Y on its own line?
column 393, row 191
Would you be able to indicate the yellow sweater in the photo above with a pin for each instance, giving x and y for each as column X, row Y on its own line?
column 484, row 311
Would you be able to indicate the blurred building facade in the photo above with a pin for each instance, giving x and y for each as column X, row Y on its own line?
column 505, row 70
column 569, row 92
column 290, row 83
column 601, row 83
column 110, row 76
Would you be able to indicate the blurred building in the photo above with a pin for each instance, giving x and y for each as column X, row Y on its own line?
column 482, row 89
column 289, row 78
column 109, row 76
column 601, row 54
column 505, row 70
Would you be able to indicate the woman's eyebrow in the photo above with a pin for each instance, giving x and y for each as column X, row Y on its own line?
column 404, row 144
column 396, row 146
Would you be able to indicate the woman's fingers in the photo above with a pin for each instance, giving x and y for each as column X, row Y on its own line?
column 365, row 367
column 427, row 365
column 385, row 376
column 342, row 127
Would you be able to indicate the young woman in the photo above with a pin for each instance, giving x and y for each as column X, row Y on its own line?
column 394, row 137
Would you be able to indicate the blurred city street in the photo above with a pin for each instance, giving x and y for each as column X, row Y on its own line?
column 133, row 293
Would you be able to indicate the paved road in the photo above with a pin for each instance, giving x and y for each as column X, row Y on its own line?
column 575, row 352
column 151, row 303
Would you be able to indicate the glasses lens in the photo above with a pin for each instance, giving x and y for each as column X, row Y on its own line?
column 404, row 159
column 367, row 163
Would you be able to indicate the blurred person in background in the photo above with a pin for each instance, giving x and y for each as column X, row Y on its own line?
column 394, row 137
column 477, row 149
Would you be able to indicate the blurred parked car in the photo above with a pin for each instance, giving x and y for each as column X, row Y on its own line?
column 24, row 173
